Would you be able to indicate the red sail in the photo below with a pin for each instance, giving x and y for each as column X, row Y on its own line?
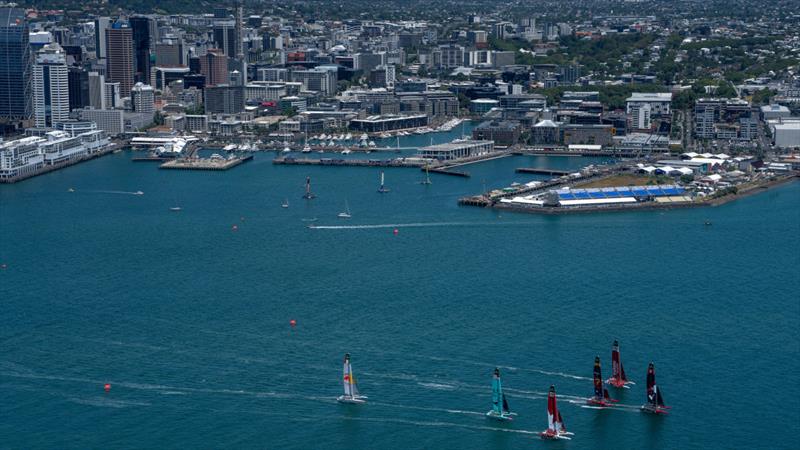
column 553, row 415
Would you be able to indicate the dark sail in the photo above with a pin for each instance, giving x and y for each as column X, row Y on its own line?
column 505, row 404
column 598, row 378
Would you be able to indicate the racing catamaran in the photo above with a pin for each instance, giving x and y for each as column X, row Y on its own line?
column 555, row 424
column 308, row 195
column 618, row 378
column 655, row 402
column 351, row 394
column 500, row 409
column 383, row 189
column 600, row 397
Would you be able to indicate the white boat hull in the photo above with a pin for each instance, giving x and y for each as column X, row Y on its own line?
column 351, row 400
column 503, row 417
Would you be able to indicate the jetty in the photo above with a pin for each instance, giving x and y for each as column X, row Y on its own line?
column 205, row 163
column 536, row 171
column 396, row 162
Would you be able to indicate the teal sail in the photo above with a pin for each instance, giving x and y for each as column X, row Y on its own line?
column 498, row 399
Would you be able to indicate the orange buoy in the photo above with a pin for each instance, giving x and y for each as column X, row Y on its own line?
column 107, row 387
column 293, row 322
column 396, row 231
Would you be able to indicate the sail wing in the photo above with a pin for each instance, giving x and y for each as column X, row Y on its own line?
column 598, row 379
column 505, row 404
column 623, row 377
column 651, row 384
column 497, row 393
column 348, row 378
column 659, row 398
column 552, row 410
column 615, row 363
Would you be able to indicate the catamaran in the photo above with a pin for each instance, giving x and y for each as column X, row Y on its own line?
column 427, row 179
column 499, row 409
column 655, row 402
column 351, row 394
column 618, row 378
column 383, row 189
column 308, row 195
column 285, row 203
column 555, row 423
column 346, row 213
column 600, row 397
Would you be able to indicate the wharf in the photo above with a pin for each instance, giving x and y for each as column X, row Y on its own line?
column 611, row 153
column 205, row 163
column 112, row 147
column 542, row 171
column 398, row 162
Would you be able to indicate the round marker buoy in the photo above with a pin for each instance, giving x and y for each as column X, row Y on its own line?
column 293, row 323
column 234, row 228
column 107, row 387
column 3, row 266
column 396, row 231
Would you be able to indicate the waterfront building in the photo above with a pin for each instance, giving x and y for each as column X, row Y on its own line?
column 481, row 106
column 501, row 132
column 545, row 132
column 787, row 135
column 16, row 106
column 28, row 156
column 721, row 118
column 299, row 104
column 578, row 134
column 120, row 58
column 659, row 103
column 50, row 86
column 377, row 124
column 111, row 121
column 455, row 150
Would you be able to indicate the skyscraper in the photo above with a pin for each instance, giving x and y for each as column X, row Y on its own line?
column 142, row 40
column 214, row 65
column 143, row 98
column 15, row 67
column 119, row 61
column 101, row 25
column 50, row 86
column 225, row 33
column 97, row 91
column 78, row 88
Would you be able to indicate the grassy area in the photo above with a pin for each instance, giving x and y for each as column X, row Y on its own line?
column 628, row 180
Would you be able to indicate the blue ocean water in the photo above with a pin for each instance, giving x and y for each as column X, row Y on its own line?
column 188, row 320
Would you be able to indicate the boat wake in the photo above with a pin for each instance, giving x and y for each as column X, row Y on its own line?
column 398, row 225
column 439, row 386
column 115, row 192
column 422, row 408
column 439, row 424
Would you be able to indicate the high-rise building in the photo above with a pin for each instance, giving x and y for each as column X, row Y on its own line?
column 143, row 98
column 142, row 41
column 101, row 25
column 97, row 90
column 50, row 86
column 112, row 95
column 120, row 60
column 15, row 67
column 225, row 37
column 170, row 54
column 214, row 65
column 78, row 88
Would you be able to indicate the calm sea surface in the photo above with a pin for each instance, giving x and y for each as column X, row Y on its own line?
column 188, row 320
